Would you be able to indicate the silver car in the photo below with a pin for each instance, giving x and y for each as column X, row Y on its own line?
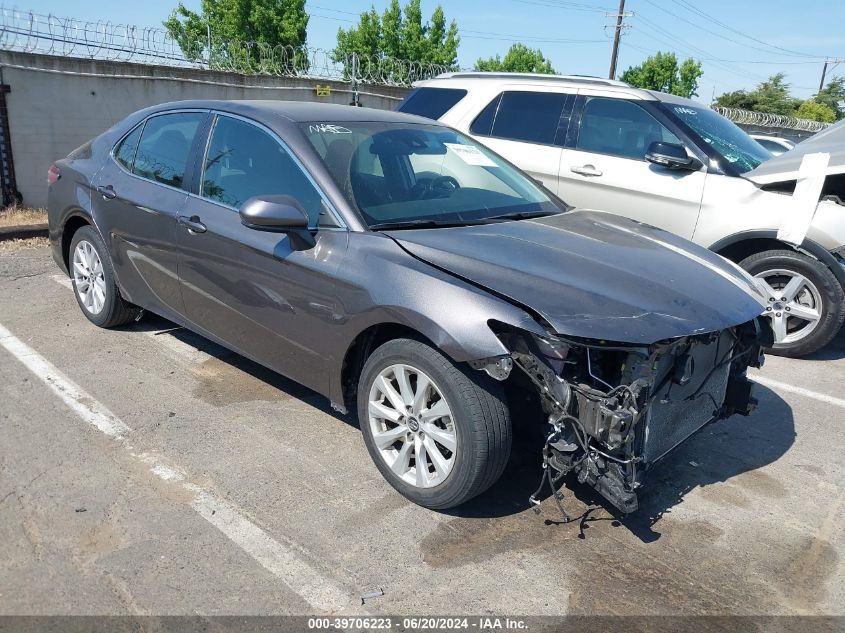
column 675, row 164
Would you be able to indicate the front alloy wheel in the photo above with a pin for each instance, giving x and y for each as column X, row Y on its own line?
column 794, row 304
column 438, row 431
column 412, row 426
column 804, row 300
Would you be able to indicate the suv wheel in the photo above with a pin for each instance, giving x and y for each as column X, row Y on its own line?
column 806, row 302
column 438, row 432
column 93, row 281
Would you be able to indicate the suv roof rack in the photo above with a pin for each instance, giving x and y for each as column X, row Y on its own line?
column 586, row 79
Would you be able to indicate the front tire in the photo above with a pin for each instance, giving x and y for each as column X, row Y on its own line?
column 440, row 433
column 94, row 285
column 806, row 303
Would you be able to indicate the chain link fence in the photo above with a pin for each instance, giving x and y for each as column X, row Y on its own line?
column 30, row 32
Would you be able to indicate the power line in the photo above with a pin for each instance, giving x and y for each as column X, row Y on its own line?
column 724, row 37
column 695, row 9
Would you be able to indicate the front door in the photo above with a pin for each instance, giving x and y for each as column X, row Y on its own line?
column 250, row 289
column 139, row 193
column 606, row 168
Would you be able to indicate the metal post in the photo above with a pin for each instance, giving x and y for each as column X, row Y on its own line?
column 824, row 72
column 354, row 77
column 616, row 35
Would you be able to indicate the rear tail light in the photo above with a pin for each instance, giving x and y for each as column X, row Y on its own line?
column 53, row 174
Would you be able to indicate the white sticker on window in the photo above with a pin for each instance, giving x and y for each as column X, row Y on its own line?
column 470, row 155
column 328, row 128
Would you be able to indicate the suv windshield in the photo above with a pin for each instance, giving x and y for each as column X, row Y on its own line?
column 739, row 152
column 401, row 174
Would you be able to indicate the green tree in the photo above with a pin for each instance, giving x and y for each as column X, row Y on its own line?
column 773, row 96
column 240, row 29
column 518, row 59
column 815, row 111
column 662, row 72
column 833, row 96
column 399, row 34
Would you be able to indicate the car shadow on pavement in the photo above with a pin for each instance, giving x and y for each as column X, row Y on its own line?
column 162, row 327
column 718, row 453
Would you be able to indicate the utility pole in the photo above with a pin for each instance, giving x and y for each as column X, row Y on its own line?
column 614, row 55
column 827, row 62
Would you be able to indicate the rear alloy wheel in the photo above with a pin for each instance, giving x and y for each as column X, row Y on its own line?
column 439, row 432
column 805, row 301
column 93, row 281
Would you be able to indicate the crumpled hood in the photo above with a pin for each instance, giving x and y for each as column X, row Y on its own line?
column 595, row 275
column 781, row 168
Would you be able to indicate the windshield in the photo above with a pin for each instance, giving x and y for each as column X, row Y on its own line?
column 738, row 150
column 412, row 174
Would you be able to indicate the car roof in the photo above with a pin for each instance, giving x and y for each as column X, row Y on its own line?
column 475, row 78
column 267, row 110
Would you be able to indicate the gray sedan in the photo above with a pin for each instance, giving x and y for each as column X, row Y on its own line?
column 412, row 275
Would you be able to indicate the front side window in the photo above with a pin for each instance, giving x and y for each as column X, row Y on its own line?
column 243, row 161
column 738, row 152
column 401, row 173
column 124, row 153
column 620, row 128
column 165, row 146
column 431, row 103
column 533, row 117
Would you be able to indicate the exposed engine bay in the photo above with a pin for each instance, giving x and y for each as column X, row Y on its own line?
column 615, row 410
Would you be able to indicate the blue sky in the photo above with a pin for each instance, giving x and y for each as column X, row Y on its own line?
column 741, row 43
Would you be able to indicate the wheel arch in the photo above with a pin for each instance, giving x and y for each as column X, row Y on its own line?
column 72, row 223
column 738, row 246
column 360, row 349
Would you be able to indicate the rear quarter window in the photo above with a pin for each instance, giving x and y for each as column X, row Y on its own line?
column 431, row 103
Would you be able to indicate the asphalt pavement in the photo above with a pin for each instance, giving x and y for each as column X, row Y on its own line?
column 147, row 471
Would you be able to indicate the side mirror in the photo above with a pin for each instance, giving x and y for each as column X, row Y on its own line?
column 671, row 156
column 278, row 214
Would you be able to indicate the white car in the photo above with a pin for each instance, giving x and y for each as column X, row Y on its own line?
column 675, row 164
column 775, row 144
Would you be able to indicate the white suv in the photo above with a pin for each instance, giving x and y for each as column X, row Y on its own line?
column 675, row 164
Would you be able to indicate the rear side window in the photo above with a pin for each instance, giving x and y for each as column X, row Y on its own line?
column 165, row 145
column 431, row 103
column 533, row 117
column 125, row 151
column 245, row 161
column 620, row 128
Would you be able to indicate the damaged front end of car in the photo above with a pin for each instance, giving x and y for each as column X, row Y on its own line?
column 614, row 410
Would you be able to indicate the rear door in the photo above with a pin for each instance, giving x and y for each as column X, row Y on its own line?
column 248, row 288
column 604, row 166
column 138, row 194
column 527, row 127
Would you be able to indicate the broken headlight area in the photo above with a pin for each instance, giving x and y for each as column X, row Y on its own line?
column 615, row 410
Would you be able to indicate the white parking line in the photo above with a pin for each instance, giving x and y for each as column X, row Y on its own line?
column 319, row 591
column 815, row 395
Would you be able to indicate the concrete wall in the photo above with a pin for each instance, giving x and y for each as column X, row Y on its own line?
column 57, row 103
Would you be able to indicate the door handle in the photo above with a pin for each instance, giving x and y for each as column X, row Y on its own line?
column 107, row 191
column 586, row 170
column 193, row 224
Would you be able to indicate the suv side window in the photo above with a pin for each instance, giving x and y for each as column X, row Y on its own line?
column 620, row 128
column 124, row 153
column 243, row 161
column 431, row 103
column 165, row 145
column 533, row 117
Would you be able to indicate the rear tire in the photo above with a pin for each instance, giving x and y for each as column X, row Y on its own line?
column 463, row 451
column 93, row 281
column 810, row 290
